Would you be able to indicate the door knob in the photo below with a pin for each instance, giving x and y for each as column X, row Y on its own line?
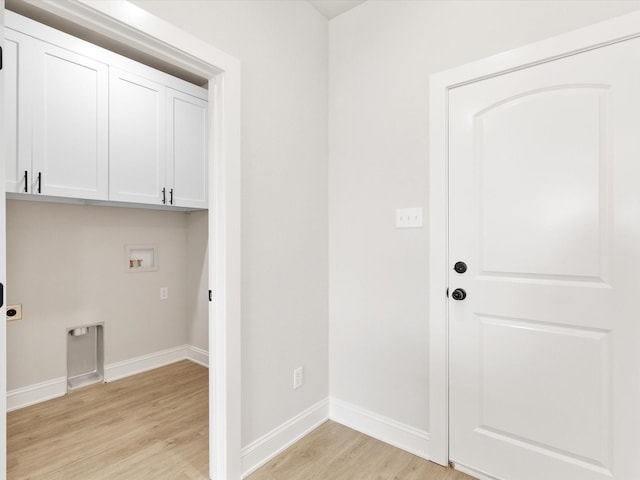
column 460, row 267
column 459, row 294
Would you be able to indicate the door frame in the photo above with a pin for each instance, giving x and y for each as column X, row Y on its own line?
column 588, row 38
column 130, row 24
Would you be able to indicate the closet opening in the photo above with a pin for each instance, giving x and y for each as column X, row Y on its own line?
column 185, row 239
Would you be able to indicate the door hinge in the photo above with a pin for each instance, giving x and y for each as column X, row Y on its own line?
column 210, row 295
column 447, row 292
column 1, row 58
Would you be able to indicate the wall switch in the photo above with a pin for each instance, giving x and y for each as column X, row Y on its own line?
column 14, row 312
column 409, row 218
column 297, row 378
column 164, row 293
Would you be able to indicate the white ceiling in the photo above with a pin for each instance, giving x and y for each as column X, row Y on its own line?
column 332, row 8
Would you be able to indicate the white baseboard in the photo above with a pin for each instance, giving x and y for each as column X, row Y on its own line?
column 198, row 355
column 40, row 392
column 385, row 429
column 32, row 394
column 268, row 446
column 132, row 366
column 473, row 473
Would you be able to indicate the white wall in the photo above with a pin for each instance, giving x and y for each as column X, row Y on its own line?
column 65, row 265
column 381, row 55
column 282, row 46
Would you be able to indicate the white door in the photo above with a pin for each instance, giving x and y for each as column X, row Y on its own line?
column 70, row 124
column 544, row 354
column 187, row 150
column 137, row 139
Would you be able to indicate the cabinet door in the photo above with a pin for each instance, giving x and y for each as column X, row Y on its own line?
column 187, row 149
column 17, row 111
column 70, row 122
column 137, row 168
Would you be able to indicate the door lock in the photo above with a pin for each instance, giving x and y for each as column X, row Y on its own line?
column 459, row 294
column 460, row 267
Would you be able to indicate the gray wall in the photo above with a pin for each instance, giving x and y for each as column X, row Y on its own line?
column 381, row 55
column 197, row 280
column 282, row 46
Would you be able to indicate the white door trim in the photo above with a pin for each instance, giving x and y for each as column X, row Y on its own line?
column 600, row 34
column 127, row 23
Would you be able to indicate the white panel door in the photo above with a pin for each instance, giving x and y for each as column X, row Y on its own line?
column 187, row 150
column 137, row 126
column 545, row 211
column 70, row 124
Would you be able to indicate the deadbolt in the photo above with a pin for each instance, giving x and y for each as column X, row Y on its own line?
column 459, row 294
column 460, row 267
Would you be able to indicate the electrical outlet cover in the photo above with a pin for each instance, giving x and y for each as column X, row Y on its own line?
column 16, row 310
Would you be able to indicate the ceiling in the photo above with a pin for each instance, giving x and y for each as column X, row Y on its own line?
column 333, row 8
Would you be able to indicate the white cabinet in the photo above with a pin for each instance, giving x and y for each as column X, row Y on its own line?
column 18, row 143
column 186, row 149
column 98, row 126
column 58, row 125
column 137, row 168
column 157, row 143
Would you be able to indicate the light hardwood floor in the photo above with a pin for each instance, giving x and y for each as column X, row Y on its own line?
column 335, row 452
column 155, row 426
column 148, row 426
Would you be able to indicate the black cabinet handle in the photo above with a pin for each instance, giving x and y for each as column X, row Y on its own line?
column 39, row 182
column 171, row 197
column 26, row 181
column 164, row 196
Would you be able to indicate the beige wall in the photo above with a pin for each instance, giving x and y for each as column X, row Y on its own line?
column 282, row 46
column 381, row 55
column 198, row 279
column 65, row 265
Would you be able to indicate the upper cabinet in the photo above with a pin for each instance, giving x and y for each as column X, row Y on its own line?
column 86, row 123
column 18, row 150
column 158, row 148
column 137, row 139
column 186, row 149
column 58, row 121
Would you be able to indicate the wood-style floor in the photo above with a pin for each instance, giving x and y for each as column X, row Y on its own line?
column 155, row 426
column 335, row 452
column 148, row 426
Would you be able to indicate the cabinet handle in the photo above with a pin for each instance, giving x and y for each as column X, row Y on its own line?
column 39, row 182
column 164, row 196
column 171, row 197
column 26, row 181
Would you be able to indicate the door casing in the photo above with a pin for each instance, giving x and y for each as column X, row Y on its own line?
column 588, row 38
column 125, row 22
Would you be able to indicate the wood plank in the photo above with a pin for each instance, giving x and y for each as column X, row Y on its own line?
column 336, row 452
column 155, row 426
column 148, row 426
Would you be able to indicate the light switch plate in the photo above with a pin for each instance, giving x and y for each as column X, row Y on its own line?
column 409, row 217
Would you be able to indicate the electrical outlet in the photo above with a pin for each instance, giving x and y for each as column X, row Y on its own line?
column 164, row 293
column 297, row 378
column 14, row 312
